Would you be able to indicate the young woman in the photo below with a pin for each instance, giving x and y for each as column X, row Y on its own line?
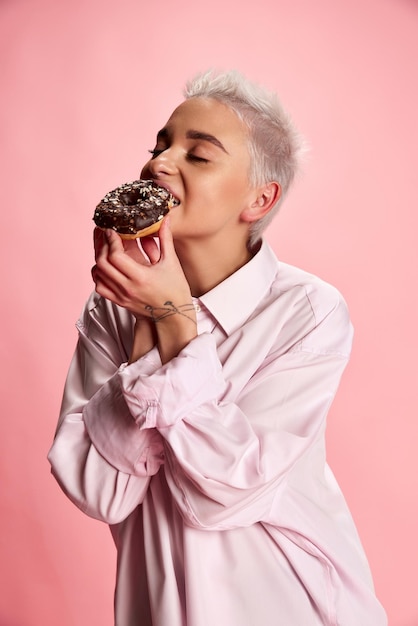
column 194, row 412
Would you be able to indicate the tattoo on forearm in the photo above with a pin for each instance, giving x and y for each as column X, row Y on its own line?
column 158, row 313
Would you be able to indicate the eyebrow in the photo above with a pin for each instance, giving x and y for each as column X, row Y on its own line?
column 195, row 134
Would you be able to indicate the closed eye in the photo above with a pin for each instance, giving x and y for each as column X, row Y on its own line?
column 193, row 157
column 190, row 156
column 155, row 152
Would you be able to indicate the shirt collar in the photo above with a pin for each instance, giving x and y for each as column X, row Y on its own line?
column 234, row 299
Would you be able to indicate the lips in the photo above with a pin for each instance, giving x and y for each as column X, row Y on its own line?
column 175, row 200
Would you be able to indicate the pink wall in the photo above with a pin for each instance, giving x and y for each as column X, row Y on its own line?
column 84, row 87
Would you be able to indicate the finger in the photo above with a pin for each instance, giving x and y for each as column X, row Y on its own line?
column 110, row 282
column 101, row 248
column 107, row 268
column 115, row 253
column 115, row 262
column 98, row 240
column 113, row 240
column 166, row 238
column 151, row 249
column 105, row 290
column 131, row 248
column 130, row 245
column 97, row 232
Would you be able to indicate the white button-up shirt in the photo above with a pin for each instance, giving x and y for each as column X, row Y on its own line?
column 211, row 469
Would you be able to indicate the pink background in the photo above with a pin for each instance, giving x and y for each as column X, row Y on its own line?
column 85, row 85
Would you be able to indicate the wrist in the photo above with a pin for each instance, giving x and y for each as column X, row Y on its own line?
column 175, row 326
column 171, row 310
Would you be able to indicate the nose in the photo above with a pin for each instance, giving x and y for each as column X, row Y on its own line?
column 162, row 164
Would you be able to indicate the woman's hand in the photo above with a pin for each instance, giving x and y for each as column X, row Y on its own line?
column 150, row 283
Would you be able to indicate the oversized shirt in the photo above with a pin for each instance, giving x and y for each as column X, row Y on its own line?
column 211, row 469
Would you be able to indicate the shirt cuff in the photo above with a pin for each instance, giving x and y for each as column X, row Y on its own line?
column 146, row 365
column 160, row 398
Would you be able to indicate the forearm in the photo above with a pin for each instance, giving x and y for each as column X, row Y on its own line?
column 144, row 338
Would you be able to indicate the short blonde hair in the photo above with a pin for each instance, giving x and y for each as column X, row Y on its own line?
column 276, row 147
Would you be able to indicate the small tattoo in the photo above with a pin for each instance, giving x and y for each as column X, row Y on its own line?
column 158, row 313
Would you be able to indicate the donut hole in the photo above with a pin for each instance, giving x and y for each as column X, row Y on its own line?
column 130, row 198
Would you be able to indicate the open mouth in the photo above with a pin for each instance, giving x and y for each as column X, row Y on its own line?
column 172, row 200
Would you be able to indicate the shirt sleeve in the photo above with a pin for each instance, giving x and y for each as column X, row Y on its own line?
column 229, row 453
column 84, row 470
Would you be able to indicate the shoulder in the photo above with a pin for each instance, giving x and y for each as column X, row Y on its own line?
column 314, row 312
column 320, row 295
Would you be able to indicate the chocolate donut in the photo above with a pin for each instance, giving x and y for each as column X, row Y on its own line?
column 134, row 209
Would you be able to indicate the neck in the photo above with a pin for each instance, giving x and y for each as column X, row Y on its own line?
column 206, row 264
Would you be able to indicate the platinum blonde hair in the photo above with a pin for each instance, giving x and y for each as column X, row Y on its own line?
column 276, row 147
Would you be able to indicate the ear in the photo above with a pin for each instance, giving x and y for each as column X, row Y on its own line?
column 265, row 198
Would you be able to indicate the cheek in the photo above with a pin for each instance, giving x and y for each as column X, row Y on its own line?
column 234, row 190
column 216, row 199
column 222, row 187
